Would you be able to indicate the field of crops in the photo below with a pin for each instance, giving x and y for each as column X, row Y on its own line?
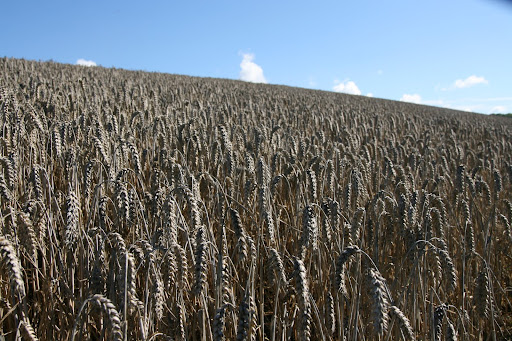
column 146, row 206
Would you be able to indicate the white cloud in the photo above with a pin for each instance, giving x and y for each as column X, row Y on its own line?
column 414, row 98
column 348, row 87
column 250, row 71
column 473, row 104
column 369, row 94
column 465, row 108
column 84, row 62
column 499, row 109
column 470, row 81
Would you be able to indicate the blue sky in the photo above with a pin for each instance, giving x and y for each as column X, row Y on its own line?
column 455, row 53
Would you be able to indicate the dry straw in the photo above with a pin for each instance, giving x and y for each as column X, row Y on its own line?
column 189, row 209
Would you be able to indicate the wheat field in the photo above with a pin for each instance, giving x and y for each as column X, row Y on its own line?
column 148, row 206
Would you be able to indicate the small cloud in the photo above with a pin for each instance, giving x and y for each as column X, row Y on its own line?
column 470, row 81
column 501, row 109
column 414, row 98
column 250, row 71
column 348, row 87
column 84, row 62
column 380, row 72
column 369, row 94
column 465, row 108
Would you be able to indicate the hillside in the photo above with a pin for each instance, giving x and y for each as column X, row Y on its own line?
column 150, row 206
